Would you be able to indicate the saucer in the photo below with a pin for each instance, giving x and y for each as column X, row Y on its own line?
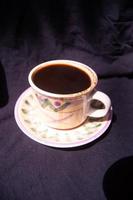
column 29, row 119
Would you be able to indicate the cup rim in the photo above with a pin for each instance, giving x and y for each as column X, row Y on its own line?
column 76, row 64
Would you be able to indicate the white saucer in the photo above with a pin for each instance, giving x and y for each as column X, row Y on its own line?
column 29, row 120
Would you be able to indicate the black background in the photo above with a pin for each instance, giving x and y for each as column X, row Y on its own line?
column 98, row 33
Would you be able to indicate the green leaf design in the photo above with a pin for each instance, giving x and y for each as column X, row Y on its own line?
column 45, row 103
column 24, row 111
column 27, row 102
column 91, row 128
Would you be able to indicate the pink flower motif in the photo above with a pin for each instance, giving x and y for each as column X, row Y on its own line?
column 57, row 103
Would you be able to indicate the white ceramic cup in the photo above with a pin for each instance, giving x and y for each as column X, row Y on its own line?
column 68, row 110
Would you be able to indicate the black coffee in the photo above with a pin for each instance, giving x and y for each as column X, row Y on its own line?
column 61, row 79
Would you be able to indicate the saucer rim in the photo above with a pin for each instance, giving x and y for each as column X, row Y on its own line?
column 58, row 144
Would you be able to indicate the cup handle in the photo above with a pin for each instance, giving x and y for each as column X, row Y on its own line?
column 103, row 99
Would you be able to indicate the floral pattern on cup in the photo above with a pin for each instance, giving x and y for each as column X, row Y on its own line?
column 54, row 104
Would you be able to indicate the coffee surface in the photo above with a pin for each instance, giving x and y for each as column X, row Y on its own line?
column 61, row 79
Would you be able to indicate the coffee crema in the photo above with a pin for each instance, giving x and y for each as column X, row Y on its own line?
column 61, row 79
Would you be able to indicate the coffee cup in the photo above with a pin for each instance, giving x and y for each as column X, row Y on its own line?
column 65, row 92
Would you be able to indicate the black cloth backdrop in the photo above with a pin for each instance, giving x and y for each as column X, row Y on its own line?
column 98, row 33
